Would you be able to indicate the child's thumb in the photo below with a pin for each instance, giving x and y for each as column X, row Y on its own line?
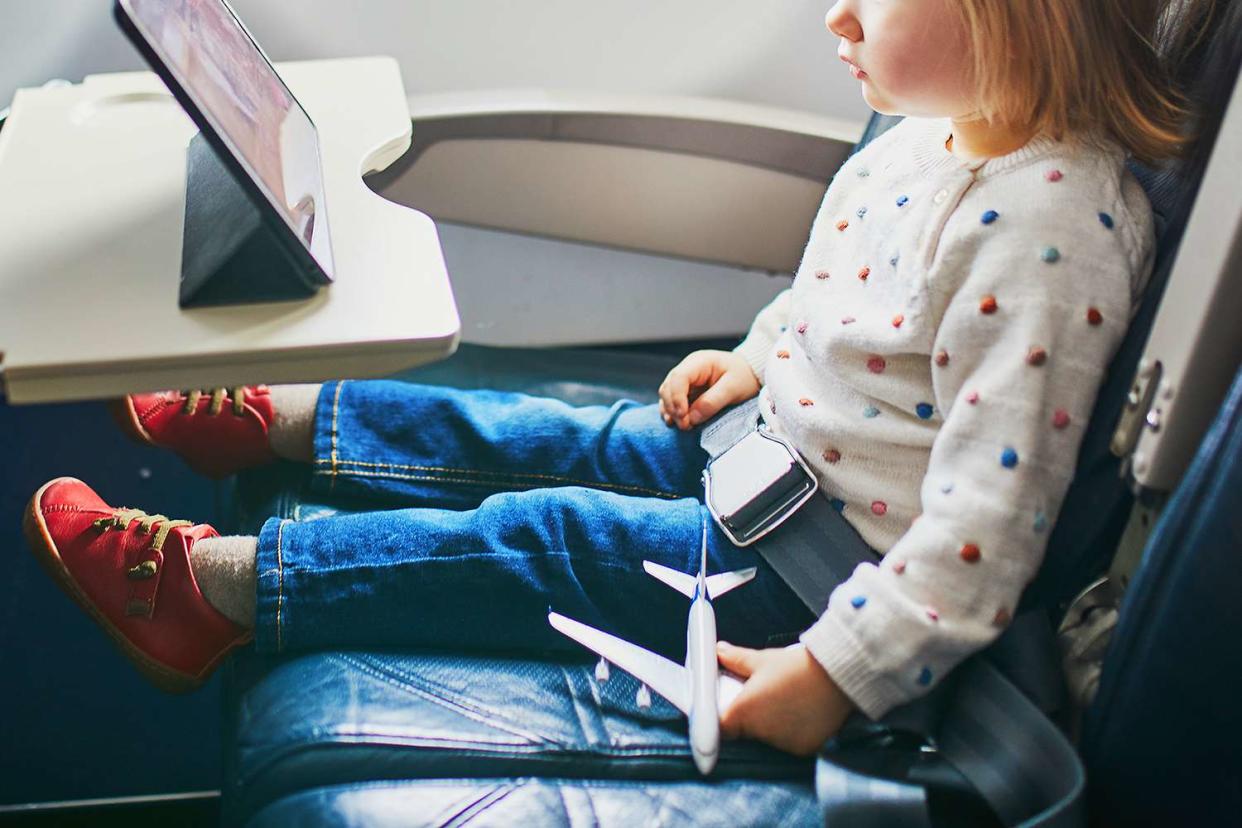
column 737, row 660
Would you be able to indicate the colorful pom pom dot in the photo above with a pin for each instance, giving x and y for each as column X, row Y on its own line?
column 1094, row 317
column 837, row 503
column 973, row 397
column 969, row 553
column 901, row 201
column 1009, row 457
column 864, row 273
column 892, row 260
column 1060, row 418
column 876, row 364
column 848, row 320
column 1106, row 220
column 879, row 508
column 897, row 320
column 1040, row 523
column 924, row 410
column 1036, row 355
column 946, row 487
column 822, row 275
column 899, row 568
column 842, row 224
column 860, row 212
column 871, row 412
column 863, row 172
column 858, row 601
column 925, row 677
column 932, row 613
column 801, row 328
column 782, row 354
column 942, row 357
column 1050, row 255
column 1053, row 176
column 989, row 217
column 832, row 456
column 784, row 328
column 1002, row 617
column 988, row 304
column 806, row 402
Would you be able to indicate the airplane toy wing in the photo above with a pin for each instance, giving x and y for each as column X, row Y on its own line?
column 668, row 678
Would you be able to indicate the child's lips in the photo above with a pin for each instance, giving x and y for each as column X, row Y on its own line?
column 855, row 69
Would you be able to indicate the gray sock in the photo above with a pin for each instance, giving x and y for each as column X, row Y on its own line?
column 292, row 432
column 225, row 571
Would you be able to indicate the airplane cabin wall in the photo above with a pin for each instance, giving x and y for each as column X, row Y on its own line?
column 776, row 53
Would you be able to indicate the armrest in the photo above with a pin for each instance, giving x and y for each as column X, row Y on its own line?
column 697, row 178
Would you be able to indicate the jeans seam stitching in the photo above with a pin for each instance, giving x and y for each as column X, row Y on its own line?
column 532, row 480
column 336, row 406
column 280, row 585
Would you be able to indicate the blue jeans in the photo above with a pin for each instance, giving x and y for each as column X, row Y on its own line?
column 515, row 504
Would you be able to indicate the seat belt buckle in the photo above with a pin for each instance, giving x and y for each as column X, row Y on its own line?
column 755, row 485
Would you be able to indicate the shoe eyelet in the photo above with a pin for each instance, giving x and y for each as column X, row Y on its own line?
column 142, row 571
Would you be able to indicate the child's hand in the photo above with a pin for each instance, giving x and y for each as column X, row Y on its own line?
column 704, row 383
column 788, row 700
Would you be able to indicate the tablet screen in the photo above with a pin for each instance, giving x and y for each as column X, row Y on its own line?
column 221, row 69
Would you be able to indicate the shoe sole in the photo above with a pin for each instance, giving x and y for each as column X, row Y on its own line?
column 44, row 549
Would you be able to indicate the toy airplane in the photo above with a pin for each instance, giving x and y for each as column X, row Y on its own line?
column 700, row 689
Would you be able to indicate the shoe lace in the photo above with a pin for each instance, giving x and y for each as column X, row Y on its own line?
column 216, row 405
column 122, row 518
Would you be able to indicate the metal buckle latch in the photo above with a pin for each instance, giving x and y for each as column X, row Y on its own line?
column 755, row 485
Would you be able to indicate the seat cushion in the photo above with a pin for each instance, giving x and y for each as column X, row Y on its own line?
column 352, row 717
column 547, row 802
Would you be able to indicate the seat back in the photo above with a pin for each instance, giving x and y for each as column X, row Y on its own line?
column 1099, row 500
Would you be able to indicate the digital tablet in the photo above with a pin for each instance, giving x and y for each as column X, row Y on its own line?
column 222, row 79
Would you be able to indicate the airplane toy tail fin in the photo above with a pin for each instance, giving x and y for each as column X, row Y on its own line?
column 685, row 583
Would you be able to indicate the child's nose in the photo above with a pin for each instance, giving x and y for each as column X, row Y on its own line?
column 842, row 22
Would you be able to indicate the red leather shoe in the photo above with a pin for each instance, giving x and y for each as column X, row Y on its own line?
column 217, row 434
column 131, row 572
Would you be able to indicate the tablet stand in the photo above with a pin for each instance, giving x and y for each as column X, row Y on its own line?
column 229, row 253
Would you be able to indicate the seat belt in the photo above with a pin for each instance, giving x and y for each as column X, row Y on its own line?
column 1012, row 754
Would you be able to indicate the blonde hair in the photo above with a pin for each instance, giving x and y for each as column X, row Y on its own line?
column 1074, row 69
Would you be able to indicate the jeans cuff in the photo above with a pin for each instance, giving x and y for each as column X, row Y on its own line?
column 271, row 609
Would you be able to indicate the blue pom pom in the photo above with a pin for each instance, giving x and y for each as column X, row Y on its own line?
column 925, row 677
column 837, row 503
column 901, row 201
column 924, row 410
column 1009, row 458
column 870, row 412
column 990, row 216
column 1106, row 220
column 858, row 601
column 1050, row 255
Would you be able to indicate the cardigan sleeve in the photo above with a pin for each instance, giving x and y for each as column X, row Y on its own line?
column 1023, row 341
column 764, row 331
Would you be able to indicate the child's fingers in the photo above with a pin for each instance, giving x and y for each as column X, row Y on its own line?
column 738, row 660
column 675, row 391
column 711, row 401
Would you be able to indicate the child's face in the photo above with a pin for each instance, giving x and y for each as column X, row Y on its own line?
column 910, row 55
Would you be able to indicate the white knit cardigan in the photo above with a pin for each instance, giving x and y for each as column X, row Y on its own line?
column 937, row 357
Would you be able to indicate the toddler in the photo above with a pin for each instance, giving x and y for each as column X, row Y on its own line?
column 968, row 277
